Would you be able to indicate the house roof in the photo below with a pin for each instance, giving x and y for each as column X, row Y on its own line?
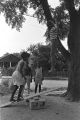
column 9, row 58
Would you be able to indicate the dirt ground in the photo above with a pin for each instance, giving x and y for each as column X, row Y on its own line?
column 57, row 108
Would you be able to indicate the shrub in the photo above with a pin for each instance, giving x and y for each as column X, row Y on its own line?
column 7, row 71
column 5, row 82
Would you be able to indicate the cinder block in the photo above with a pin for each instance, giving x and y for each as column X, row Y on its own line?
column 33, row 104
column 41, row 103
column 36, row 104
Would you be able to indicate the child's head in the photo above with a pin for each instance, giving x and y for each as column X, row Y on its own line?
column 25, row 55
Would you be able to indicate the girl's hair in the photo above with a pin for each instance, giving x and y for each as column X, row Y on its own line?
column 25, row 55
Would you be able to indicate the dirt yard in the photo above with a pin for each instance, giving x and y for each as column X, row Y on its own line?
column 57, row 108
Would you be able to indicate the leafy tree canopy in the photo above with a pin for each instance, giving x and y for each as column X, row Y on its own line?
column 15, row 12
column 42, row 54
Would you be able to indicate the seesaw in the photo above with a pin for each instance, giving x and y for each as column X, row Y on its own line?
column 27, row 98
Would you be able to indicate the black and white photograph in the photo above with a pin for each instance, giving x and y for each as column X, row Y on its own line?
column 39, row 59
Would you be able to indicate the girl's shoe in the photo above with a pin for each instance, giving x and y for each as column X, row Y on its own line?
column 19, row 99
column 12, row 100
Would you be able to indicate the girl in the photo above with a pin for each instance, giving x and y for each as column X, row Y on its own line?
column 18, row 76
column 28, row 77
column 38, row 77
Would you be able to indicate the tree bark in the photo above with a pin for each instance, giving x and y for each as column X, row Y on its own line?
column 53, row 52
column 73, row 91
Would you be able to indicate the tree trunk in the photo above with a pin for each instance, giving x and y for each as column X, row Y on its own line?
column 73, row 90
column 53, row 52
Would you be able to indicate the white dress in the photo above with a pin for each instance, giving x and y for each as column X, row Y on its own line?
column 38, row 76
column 16, row 76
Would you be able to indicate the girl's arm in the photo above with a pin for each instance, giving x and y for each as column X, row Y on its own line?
column 42, row 75
column 31, row 74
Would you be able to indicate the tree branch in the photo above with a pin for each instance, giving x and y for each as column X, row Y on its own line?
column 65, row 52
column 47, row 13
column 49, row 19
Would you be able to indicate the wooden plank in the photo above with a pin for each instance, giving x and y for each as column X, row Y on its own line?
column 39, row 94
column 27, row 98
column 6, row 104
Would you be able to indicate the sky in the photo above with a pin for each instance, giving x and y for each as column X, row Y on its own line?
column 12, row 41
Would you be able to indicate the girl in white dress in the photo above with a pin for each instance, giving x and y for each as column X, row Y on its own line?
column 18, row 76
column 38, row 77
